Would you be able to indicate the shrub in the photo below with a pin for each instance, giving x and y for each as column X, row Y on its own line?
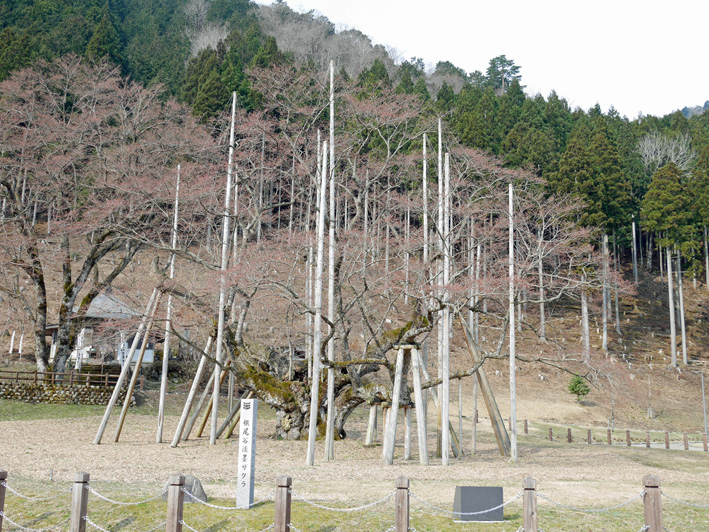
column 578, row 387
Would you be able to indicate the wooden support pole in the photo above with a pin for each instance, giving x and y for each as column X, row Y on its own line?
column 210, row 410
column 124, row 370
column 79, row 502
column 667, row 440
column 390, row 434
column 686, row 442
column 198, row 408
column 175, row 503
column 498, row 425
column 647, row 439
column 191, row 395
column 136, row 370
column 588, row 436
column 407, row 433
column 569, row 439
column 652, row 503
column 402, row 505
column 460, row 413
column 455, row 443
column 371, row 426
column 3, row 484
column 551, row 434
column 706, row 444
column 529, row 505
column 281, row 521
column 608, row 433
column 420, row 410
column 627, row 437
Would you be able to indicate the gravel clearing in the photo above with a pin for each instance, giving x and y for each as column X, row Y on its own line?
column 575, row 474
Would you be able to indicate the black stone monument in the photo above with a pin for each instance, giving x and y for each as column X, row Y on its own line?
column 476, row 499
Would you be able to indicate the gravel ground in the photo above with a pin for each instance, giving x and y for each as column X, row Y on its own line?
column 576, row 474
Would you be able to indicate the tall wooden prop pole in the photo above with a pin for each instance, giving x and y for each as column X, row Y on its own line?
column 136, row 371
column 673, row 326
column 635, row 253
column 124, row 370
column 513, row 368
column 439, row 280
column 420, row 413
column 222, row 281
column 191, row 394
column 445, row 390
column 426, row 265
column 168, row 318
column 317, row 307
column 330, row 424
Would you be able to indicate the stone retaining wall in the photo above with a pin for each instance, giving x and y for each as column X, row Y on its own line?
column 80, row 394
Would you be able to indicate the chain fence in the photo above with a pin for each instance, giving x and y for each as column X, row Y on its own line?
column 30, row 512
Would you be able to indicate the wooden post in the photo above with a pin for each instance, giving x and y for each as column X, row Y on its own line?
column 551, row 434
column 569, row 439
column 588, row 436
column 281, row 521
column 369, row 439
column 667, row 440
column 402, row 504
column 610, row 442
column 686, row 442
column 79, row 502
column 420, row 409
column 175, row 502
column 3, row 483
column 529, row 505
column 652, row 502
column 526, row 428
column 706, row 445
column 647, row 439
column 390, row 435
column 407, row 433
column 627, row 437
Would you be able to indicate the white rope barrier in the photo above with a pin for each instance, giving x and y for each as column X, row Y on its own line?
column 685, row 503
column 269, row 497
column 449, row 512
column 91, row 490
column 37, row 499
column 20, row 527
column 343, row 510
column 592, row 510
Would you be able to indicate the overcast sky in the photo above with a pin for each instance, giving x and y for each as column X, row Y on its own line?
column 646, row 57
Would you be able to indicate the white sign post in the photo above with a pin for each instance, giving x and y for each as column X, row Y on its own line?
column 247, row 454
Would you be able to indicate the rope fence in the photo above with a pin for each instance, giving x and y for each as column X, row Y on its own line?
column 626, row 437
column 282, row 497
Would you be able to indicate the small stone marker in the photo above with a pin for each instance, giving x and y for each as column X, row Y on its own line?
column 192, row 486
column 247, row 454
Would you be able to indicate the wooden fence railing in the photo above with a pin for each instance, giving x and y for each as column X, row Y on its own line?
column 66, row 379
column 651, row 496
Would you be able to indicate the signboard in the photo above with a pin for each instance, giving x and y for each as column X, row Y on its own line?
column 247, row 454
